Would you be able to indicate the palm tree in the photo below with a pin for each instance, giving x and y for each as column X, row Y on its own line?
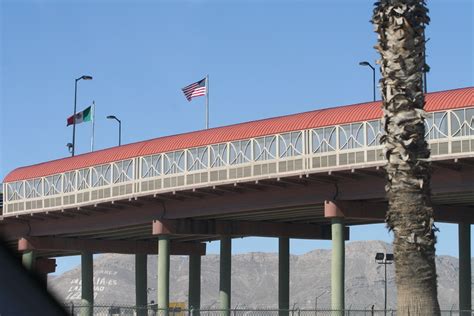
column 400, row 26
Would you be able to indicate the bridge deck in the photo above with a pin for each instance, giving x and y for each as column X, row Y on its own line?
column 290, row 200
column 299, row 153
column 272, row 177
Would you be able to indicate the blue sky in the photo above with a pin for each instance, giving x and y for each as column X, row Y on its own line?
column 264, row 58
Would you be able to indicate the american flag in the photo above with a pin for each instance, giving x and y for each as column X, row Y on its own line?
column 195, row 89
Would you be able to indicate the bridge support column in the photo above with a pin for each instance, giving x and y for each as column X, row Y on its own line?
column 464, row 231
column 283, row 276
column 29, row 259
column 163, row 274
column 194, row 294
column 87, row 284
column 141, row 283
column 337, row 264
column 225, row 275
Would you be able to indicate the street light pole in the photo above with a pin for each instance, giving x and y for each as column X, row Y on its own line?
column 316, row 302
column 373, row 81
column 385, row 290
column 366, row 63
column 74, row 119
column 113, row 117
column 384, row 258
column 74, row 116
column 425, row 66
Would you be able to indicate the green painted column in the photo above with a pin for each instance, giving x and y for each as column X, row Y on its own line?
column 337, row 264
column 141, row 283
column 284, row 276
column 29, row 259
column 87, row 284
column 465, row 267
column 163, row 274
column 225, row 275
column 194, row 295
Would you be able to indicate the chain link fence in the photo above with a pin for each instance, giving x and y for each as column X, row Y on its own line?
column 152, row 310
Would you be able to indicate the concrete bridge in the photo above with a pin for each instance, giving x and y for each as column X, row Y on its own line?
column 310, row 175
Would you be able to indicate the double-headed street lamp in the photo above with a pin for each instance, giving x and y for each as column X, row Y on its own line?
column 366, row 63
column 113, row 117
column 73, row 147
column 384, row 258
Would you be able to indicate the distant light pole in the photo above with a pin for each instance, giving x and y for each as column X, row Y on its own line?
column 366, row 63
column 113, row 117
column 316, row 302
column 294, row 306
column 384, row 258
column 426, row 68
column 213, row 303
column 74, row 117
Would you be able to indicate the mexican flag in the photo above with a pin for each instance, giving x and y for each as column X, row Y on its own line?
column 84, row 116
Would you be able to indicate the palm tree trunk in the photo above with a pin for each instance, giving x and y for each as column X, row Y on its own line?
column 400, row 26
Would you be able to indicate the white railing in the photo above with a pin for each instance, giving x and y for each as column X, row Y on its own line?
column 334, row 147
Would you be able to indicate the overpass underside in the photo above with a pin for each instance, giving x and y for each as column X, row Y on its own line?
column 320, row 205
column 297, row 200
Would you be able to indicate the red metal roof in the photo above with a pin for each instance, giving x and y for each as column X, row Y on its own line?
column 435, row 101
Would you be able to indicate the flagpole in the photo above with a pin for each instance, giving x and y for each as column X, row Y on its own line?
column 93, row 126
column 207, row 101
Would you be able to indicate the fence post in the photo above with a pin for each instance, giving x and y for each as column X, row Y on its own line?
column 372, row 308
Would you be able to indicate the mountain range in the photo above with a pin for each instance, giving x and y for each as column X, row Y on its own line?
column 255, row 279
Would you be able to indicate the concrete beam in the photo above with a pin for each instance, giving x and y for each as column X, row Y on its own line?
column 175, row 209
column 45, row 265
column 454, row 214
column 444, row 182
column 376, row 211
column 355, row 210
column 240, row 228
column 106, row 246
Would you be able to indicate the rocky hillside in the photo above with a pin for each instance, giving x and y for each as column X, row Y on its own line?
column 255, row 279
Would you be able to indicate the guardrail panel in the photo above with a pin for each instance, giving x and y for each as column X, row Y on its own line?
column 347, row 145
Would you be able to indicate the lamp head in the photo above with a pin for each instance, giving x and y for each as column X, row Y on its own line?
column 69, row 146
column 364, row 63
column 379, row 256
column 86, row 77
column 389, row 257
column 111, row 117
